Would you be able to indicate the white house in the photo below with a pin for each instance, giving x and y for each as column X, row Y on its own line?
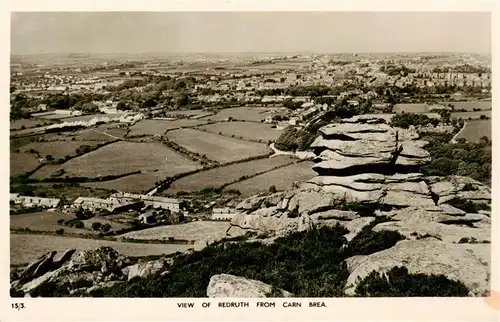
column 223, row 213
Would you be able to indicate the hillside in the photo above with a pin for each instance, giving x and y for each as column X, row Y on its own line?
column 371, row 223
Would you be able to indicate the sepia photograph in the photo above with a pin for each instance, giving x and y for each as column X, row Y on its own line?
column 250, row 154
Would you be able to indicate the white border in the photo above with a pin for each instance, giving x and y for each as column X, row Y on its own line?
column 468, row 309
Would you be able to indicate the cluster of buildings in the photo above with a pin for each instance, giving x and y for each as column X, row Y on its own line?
column 30, row 202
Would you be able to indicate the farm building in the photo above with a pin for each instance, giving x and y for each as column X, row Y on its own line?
column 28, row 201
column 148, row 217
column 153, row 201
column 94, row 203
column 223, row 213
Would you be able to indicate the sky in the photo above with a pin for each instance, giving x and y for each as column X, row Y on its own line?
column 238, row 32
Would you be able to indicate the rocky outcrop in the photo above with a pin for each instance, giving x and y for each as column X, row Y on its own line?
column 451, row 187
column 98, row 267
column 267, row 222
column 349, row 148
column 467, row 263
column 225, row 285
column 145, row 269
column 256, row 202
column 443, row 232
column 44, row 264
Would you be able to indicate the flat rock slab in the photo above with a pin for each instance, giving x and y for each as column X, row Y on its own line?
column 467, row 263
column 444, row 232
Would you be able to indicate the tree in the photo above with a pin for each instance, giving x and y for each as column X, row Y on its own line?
column 272, row 189
column 96, row 225
column 122, row 106
column 105, row 228
column 49, row 158
column 83, row 149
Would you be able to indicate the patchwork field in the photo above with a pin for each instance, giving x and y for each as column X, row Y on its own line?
column 91, row 135
column 196, row 230
column 21, row 163
column 470, row 106
column 151, row 127
column 57, row 149
column 25, row 248
column 28, row 123
column 474, row 130
column 135, row 183
column 124, row 157
column 216, row 147
column 255, row 114
column 70, row 191
column 472, row 115
column 188, row 112
column 282, row 178
column 410, row 108
column 218, row 177
column 245, row 130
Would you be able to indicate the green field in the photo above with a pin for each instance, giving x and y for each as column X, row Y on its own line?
column 255, row 114
column 215, row 178
column 474, row 130
column 152, row 127
column 245, row 130
column 472, row 115
column 57, row 149
column 216, row 147
column 124, row 157
column 21, row 163
column 26, row 248
column 282, row 178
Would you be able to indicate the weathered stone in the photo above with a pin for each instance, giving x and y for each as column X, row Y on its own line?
column 358, row 148
column 335, row 214
column 310, row 201
column 256, row 202
column 406, row 199
column 468, row 263
column 362, row 182
column 413, row 187
column 38, row 267
column 225, row 285
column 354, row 226
column 146, row 269
column 92, row 260
column 412, row 149
column 446, row 233
column 403, row 177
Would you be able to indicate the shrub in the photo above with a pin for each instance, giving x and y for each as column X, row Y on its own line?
column 96, row 225
column 272, row 189
column 308, row 264
column 49, row 157
column 60, row 221
column 399, row 283
column 369, row 242
column 105, row 228
column 408, row 119
column 60, row 231
column 467, row 205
